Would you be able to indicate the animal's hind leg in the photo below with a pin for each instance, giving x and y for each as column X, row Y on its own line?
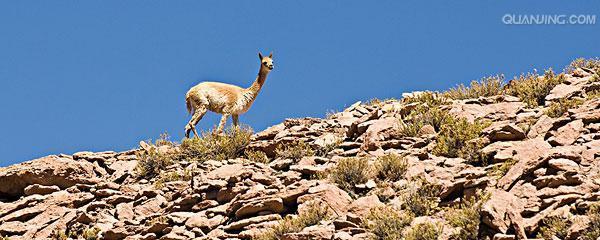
column 198, row 114
column 236, row 120
column 222, row 123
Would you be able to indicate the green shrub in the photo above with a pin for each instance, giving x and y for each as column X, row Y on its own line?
column 351, row 171
column 213, row 146
column 294, row 150
column 454, row 139
column 593, row 230
column 486, row 87
column 315, row 212
column 423, row 198
column 467, row 217
column 257, row 156
column 386, row 222
column 390, row 167
column 557, row 109
column 424, row 231
column 531, row 89
column 554, row 227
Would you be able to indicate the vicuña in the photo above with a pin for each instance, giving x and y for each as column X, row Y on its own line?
column 226, row 99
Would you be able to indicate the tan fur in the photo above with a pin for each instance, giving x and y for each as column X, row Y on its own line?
column 226, row 99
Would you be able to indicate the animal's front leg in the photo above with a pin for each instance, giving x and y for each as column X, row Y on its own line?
column 235, row 118
column 222, row 123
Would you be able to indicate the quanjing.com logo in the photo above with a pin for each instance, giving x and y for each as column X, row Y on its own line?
column 549, row 19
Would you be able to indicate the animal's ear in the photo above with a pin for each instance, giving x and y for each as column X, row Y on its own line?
column 260, row 56
column 271, row 55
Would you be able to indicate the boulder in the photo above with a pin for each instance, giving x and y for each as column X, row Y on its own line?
column 40, row 189
column 47, row 171
column 566, row 135
column 504, row 132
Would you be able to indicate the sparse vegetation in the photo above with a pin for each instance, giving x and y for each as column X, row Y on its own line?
column 390, row 167
column 230, row 144
column 455, row 140
column 151, row 161
column 423, row 198
column 501, row 169
column 593, row 94
column 323, row 151
column 424, row 231
column 427, row 112
column 387, row 222
column 592, row 64
column 256, row 156
column 486, row 87
column 467, row 217
column 351, row 171
column 172, row 176
column 91, row 233
column 532, row 89
column 557, row 109
column 593, row 230
column 554, row 227
column 294, row 150
column 426, row 98
column 314, row 213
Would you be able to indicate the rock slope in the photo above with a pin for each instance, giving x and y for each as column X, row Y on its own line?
column 551, row 168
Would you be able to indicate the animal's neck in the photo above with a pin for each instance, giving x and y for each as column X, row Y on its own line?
column 258, row 83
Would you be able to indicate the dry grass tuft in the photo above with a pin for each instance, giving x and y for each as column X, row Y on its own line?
column 387, row 222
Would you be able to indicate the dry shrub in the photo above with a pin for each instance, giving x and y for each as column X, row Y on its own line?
column 314, row 213
column 533, row 89
column 428, row 111
column 211, row 146
column 591, row 63
column 557, row 109
column 554, row 227
column 351, row 171
column 457, row 138
column 424, row 231
column 467, row 217
column 387, row 222
column 499, row 170
column 256, row 156
column 593, row 230
column 390, row 167
column 486, row 87
column 173, row 176
column 151, row 161
column 294, row 150
column 423, row 198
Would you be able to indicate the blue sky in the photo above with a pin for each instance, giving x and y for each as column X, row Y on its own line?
column 103, row 75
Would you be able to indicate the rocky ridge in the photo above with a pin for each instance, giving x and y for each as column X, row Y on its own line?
column 554, row 170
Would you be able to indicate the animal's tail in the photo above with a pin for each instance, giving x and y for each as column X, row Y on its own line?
column 188, row 103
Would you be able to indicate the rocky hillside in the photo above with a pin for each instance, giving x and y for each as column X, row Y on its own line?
column 485, row 161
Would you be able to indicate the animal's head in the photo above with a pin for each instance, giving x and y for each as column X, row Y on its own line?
column 266, row 62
